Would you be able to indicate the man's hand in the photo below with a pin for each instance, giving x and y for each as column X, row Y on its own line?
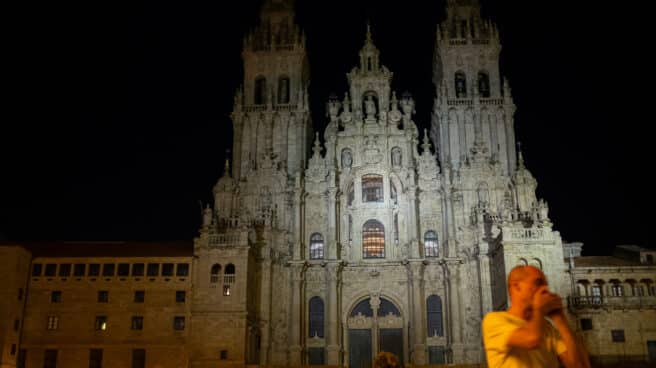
column 546, row 303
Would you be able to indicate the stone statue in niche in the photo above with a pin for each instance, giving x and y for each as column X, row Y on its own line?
column 207, row 216
column 370, row 107
column 347, row 159
column 396, row 156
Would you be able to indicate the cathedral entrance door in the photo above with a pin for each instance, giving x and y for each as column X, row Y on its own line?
column 374, row 325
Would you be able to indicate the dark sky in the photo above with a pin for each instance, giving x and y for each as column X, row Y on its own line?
column 123, row 108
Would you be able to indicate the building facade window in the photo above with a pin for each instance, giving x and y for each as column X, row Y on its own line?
column 51, row 269
column 139, row 296
column 101, row 323
column 283, row 90
column 617, row 290
column 372, row 188
column 123, row 269
column 137, row 322
column 55, row 296
column 316, row 246
column 431, row 248
column 229, row 274
column 373, row 239
column 215, row 272
column 64, row 270
column 316, row 356
column 153, row 269
column 260, row 91
column 94, row 269
column 138, row 358
column 178, row 323
column 586, row 324
column 37, row 268
column 103, row 296
column 109, row 269
column 50, row 358
column 483, row 85
column 617, row 335
column 182, row 269
column 167, row 269
column 316, row 315
column 53, row 323
column 79, row 269
column 461, row 84
column 434, row 316
column 180, row 296
column 95, row 358
column 138, row 269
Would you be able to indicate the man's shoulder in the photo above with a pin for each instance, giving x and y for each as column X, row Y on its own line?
column 501, row 317
column 496, row 316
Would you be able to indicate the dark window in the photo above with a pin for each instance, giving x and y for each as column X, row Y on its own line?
column 167, row 269
column 373, row 239
column 260, row 91
column 650, row 259
column 586, row 324
column 178, row 323
column 53, row 322
column 372, row 188
column 101, row 323
column 138, row 269
column 316, row 246
column 55, row 296
column 436, row 355
column 139, row 296
column 79, row 269
column 16, row 324
column 461, row 85
column 363, row 308
column 316, row 317
column 109, row 269
column 138, row 358
column 182, row 269
column 153, row 269
column 95, row 358
column 51, row 269
column 37, row 268
column 430, row 244
column 50, row 359
column 283, row 90
column 103, row 296
column 223, row 354
column 94, row 269
column 13, row 349
column 387, row 308
column 137, row 322
column 214, row 273
column 229, row 274
column 316, row 356
column 65, row 269
column 123, row 269
column 617, row 335
column 20, row 293
column 483, row 85
column 180, row 296
column 434, row 315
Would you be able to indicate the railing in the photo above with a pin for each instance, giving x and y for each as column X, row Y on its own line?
column 228, row 240
column 229, row 279
column 631, row 302
column 525, row 234
column 469, row 102
column 263, row 107
column 463, row 41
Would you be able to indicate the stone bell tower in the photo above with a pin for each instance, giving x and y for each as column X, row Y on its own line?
column 270, row 118
column 473, row 102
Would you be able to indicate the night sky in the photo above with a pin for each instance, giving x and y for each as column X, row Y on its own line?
column 123, row 108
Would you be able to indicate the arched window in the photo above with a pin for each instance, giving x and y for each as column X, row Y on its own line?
column 316, row 317
column 214, row 273
column 616, row 289
column 431, row 244
column 461, row 85
column 316, row 246
column 387, row 308
column 283, row 90
column 260, row 91
column 228, row 279
column 373, row 239
column 363, row 308
column 483, row 85
column 434, row 316
column 372, row 188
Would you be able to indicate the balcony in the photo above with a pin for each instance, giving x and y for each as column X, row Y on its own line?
column 522, row 235
column 611, row 302
column 233, row 239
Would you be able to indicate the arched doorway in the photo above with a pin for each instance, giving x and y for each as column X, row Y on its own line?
column 374, row 325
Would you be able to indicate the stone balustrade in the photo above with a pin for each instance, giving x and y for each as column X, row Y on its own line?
column 620, row 302
column 233, row 239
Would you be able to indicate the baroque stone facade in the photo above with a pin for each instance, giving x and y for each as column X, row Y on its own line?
column 324, row 249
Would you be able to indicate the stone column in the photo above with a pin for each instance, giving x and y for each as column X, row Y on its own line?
column 331, row 238
column 412, row 222
column 298, row 220
column 334, row 276
column 486, row 283
column 454, row 312
column 419, row 328
column 265, row 309
column 296, row 322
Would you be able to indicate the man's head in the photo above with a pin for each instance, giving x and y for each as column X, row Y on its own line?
column 523, row 282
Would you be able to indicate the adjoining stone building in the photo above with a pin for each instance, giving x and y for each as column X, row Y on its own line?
column 382, row 238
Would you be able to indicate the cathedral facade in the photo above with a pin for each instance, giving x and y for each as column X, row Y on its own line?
column 326, row 248
column 383, row 237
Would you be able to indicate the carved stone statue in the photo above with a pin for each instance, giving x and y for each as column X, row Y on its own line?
column 207, row 216
column 370, row 107
column 396, row 156
column 347, row 160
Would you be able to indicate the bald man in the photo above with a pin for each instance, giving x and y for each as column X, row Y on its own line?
column 522, row 336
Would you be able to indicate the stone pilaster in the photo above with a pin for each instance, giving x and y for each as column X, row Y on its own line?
column 296, row 322
column 334, row 279
column 418, row 356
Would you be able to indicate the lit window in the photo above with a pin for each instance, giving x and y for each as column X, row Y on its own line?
column 431, row 244
column 373, row 239
column 226, row 290
column 316, row 246
column 101, row 323
column 372, row 188
column 53, row 322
